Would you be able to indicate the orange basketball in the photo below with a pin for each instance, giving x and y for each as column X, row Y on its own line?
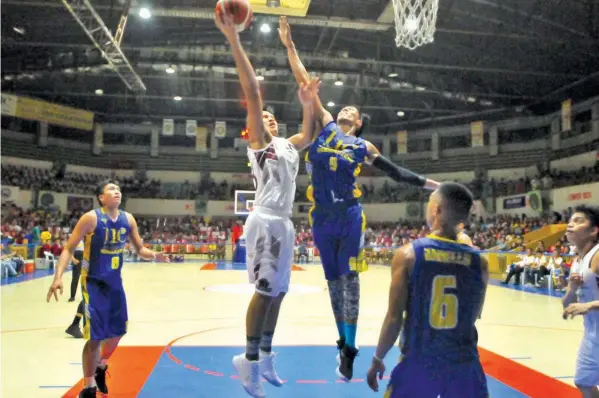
column 238, row 10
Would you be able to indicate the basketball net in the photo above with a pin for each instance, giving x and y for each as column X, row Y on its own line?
column 415, row 22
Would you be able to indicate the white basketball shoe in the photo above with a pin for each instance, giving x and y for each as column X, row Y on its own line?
column 267, row 368
column 249, row 372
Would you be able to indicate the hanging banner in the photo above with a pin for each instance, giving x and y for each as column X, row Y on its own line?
column 9, row 104
column 402, row 142
column 567, row 115
column 154, row 141
column 201, row 137
column 493, row 141
column 435, row 146
column 220, row 129
column 98, row 139
column 168, row 127
column 42, row 111
column 191, row 127
column 477, row 130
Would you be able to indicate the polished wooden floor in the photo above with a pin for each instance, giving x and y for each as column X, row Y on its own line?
column 170, row 301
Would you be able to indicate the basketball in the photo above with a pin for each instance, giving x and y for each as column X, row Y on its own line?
column 239, row 10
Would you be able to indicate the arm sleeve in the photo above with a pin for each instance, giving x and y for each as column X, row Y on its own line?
column 398, row 174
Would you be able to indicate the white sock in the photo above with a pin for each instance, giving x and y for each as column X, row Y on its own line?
column 90, row 382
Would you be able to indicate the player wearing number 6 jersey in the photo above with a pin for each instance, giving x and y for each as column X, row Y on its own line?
column 441, row 285
column 105, row 232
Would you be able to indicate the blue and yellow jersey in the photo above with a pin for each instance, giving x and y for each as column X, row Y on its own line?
column 333, row 163
column 446, row 291
column 103, row 248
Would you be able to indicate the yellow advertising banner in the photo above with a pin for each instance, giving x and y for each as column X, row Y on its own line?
column 567, row 115
column 201, row 138
column 59, row 115
column 402, row 142
column 477, row 129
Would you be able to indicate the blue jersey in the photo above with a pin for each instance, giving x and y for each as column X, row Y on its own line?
column 103, row 248
column 446, row 291
column 333, row 163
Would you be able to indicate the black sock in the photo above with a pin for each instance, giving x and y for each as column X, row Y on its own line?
column 266, row 342
column 251, row 348
column 79, row 315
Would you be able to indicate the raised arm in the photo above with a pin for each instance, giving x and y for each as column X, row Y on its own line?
column 307, row 93
column 397, row 173
column 258, row 138
column 299, row 71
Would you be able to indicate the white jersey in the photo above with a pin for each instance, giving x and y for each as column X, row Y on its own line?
column 588, row 292
column 274, row 169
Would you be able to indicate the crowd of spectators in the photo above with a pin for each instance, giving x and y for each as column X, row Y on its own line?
column 208, row 188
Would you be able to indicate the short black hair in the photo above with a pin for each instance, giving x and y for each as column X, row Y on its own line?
column 459, row 200
column 102, row 185
column 365, row 127
column 590, row 212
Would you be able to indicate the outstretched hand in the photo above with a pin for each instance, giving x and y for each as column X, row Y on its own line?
column 307, row 92
column 226, row 25
column 285, row 32
column 162, row 258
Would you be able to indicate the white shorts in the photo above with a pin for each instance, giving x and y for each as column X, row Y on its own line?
column 587, row 364
column 269, row 238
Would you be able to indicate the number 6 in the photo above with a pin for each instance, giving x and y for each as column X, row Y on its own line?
column 443, row 312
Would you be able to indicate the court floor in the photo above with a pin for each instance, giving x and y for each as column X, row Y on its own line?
column 187, row 320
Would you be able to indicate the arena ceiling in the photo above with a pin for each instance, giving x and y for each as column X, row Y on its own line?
column 490, row 59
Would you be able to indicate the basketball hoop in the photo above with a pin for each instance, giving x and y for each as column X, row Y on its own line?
column 244, row 202
column 415, row 22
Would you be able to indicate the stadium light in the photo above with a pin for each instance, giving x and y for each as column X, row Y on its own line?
column 145, row 13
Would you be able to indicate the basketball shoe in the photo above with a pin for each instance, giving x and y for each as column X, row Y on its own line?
column 267, row 368
column 249, row 373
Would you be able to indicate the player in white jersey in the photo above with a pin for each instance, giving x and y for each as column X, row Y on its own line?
column 269, row 231
column 582, row 296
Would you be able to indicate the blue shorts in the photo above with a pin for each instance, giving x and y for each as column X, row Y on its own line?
column 339, row 237
column 412, row 379
column 105, row 314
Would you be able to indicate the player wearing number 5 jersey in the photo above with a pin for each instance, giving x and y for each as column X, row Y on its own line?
column 338, row 223
column 105, row 232
column 441, row 285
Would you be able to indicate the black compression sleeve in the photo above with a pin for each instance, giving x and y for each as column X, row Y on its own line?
column 398, row 174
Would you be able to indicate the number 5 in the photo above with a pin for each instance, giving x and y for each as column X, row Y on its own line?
column 443, row 312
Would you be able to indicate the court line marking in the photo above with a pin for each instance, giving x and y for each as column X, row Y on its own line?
column 519, row 358
column 324, row 318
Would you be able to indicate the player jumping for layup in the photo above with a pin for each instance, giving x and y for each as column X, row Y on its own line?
column 338, row 222
column 582, row 296
column 106, row 231
column 441, row 285
column 269, row 231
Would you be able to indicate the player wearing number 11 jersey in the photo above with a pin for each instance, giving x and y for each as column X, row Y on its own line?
column 440, row 284
column 105, row 232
